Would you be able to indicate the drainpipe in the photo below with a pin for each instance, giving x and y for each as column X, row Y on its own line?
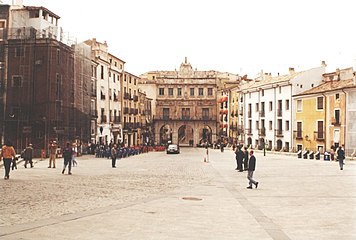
column 325, row 119
column 345, row 119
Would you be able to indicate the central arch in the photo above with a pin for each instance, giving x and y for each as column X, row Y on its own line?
column 165, row 134
column 185, row 135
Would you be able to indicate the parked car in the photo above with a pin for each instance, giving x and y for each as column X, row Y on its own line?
column 173, row 148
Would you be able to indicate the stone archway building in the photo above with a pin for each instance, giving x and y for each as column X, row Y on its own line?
column 186, row 100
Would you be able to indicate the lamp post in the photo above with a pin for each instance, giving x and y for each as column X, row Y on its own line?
column 45, row 135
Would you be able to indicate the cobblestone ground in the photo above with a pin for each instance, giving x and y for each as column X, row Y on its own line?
column 40, row 192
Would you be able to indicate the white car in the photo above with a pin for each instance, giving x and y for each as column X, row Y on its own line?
column 173, row 148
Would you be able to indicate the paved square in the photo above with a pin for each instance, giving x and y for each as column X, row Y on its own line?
column 160, row 196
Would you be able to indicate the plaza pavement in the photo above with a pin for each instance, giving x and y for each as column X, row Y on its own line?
column 159, row 196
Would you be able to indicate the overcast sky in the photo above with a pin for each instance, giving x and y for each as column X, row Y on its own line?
column 234, row 36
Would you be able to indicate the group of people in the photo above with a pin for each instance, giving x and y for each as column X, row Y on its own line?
column 246, row 161
column 9, row 157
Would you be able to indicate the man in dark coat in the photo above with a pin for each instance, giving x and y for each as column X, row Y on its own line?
column 67, row 156
column 27, row 155
column 245, row 159
column 239, row 159
column 341, row 156
column 251, row 169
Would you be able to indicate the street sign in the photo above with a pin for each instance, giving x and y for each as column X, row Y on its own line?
column 26, row 129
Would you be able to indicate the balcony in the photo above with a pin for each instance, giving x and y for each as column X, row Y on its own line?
column 103, row 119
column 94, row 113
column 126, row 96
column 205, row 118
column 262, row 132
column 135, row 98
column 262, row 114
column 319, row 136
column 298, row 135
column 128, row 126
column 135, row 111
column 165, row 117
column 117, row 119
column 102, row 97
column 279, row 133
column 248, row 131
column 279, row 112
column 132, row 111
column 335, row 122
column 249, row 114
column 126, row 110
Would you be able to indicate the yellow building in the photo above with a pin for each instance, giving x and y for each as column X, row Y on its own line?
column 310, row 122
column 321, row 113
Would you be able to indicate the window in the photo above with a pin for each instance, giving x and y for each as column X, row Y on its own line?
column 19, row 52
column 161, row 91
column 270, row 106
column 205, row 113
column 210, row 91
column 34, row 14
column 185, row 113
column 287, row 125
column 201, row 91
column 179, row 91
column 58, row 87
column 170, row 91
column 337, row 116
column 263, row 92
column 270, row 125
column 287, row 104
column 299, row 106
column 299, row 130
column 280, row 89
column 337, row 96
column 249, row 95
column 102, row 72
column 257, row 125
column 320, row 103
column 16, row 81
column 320, row 134
column 58, row 56
column 257, row 107
column 2, row 24
column 192, row 92
column 165, row 113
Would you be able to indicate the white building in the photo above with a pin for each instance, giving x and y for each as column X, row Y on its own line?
column 268, row 109
column 109, row 72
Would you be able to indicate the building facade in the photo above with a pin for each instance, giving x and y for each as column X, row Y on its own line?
column 268, row 110
column 185, row 104
column 38, row 80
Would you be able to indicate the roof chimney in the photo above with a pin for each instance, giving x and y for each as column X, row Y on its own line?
column 354, row 78
column 291, row 70
column 323, row 64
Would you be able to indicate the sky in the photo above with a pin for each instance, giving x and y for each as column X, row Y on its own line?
column 235, row 36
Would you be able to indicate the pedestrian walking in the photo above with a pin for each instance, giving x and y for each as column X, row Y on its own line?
column 75, row 151
column 67, row 156
column 7, row 155
column 52, row 154
column 113, row 156
column 251, row 169
column 341, row 156
column 245, row 159
column 27, row 155
column 239, row 159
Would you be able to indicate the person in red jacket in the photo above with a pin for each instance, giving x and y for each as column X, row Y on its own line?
column 7, row 154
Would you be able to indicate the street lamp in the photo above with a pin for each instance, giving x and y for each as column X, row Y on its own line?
column 45, row 135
